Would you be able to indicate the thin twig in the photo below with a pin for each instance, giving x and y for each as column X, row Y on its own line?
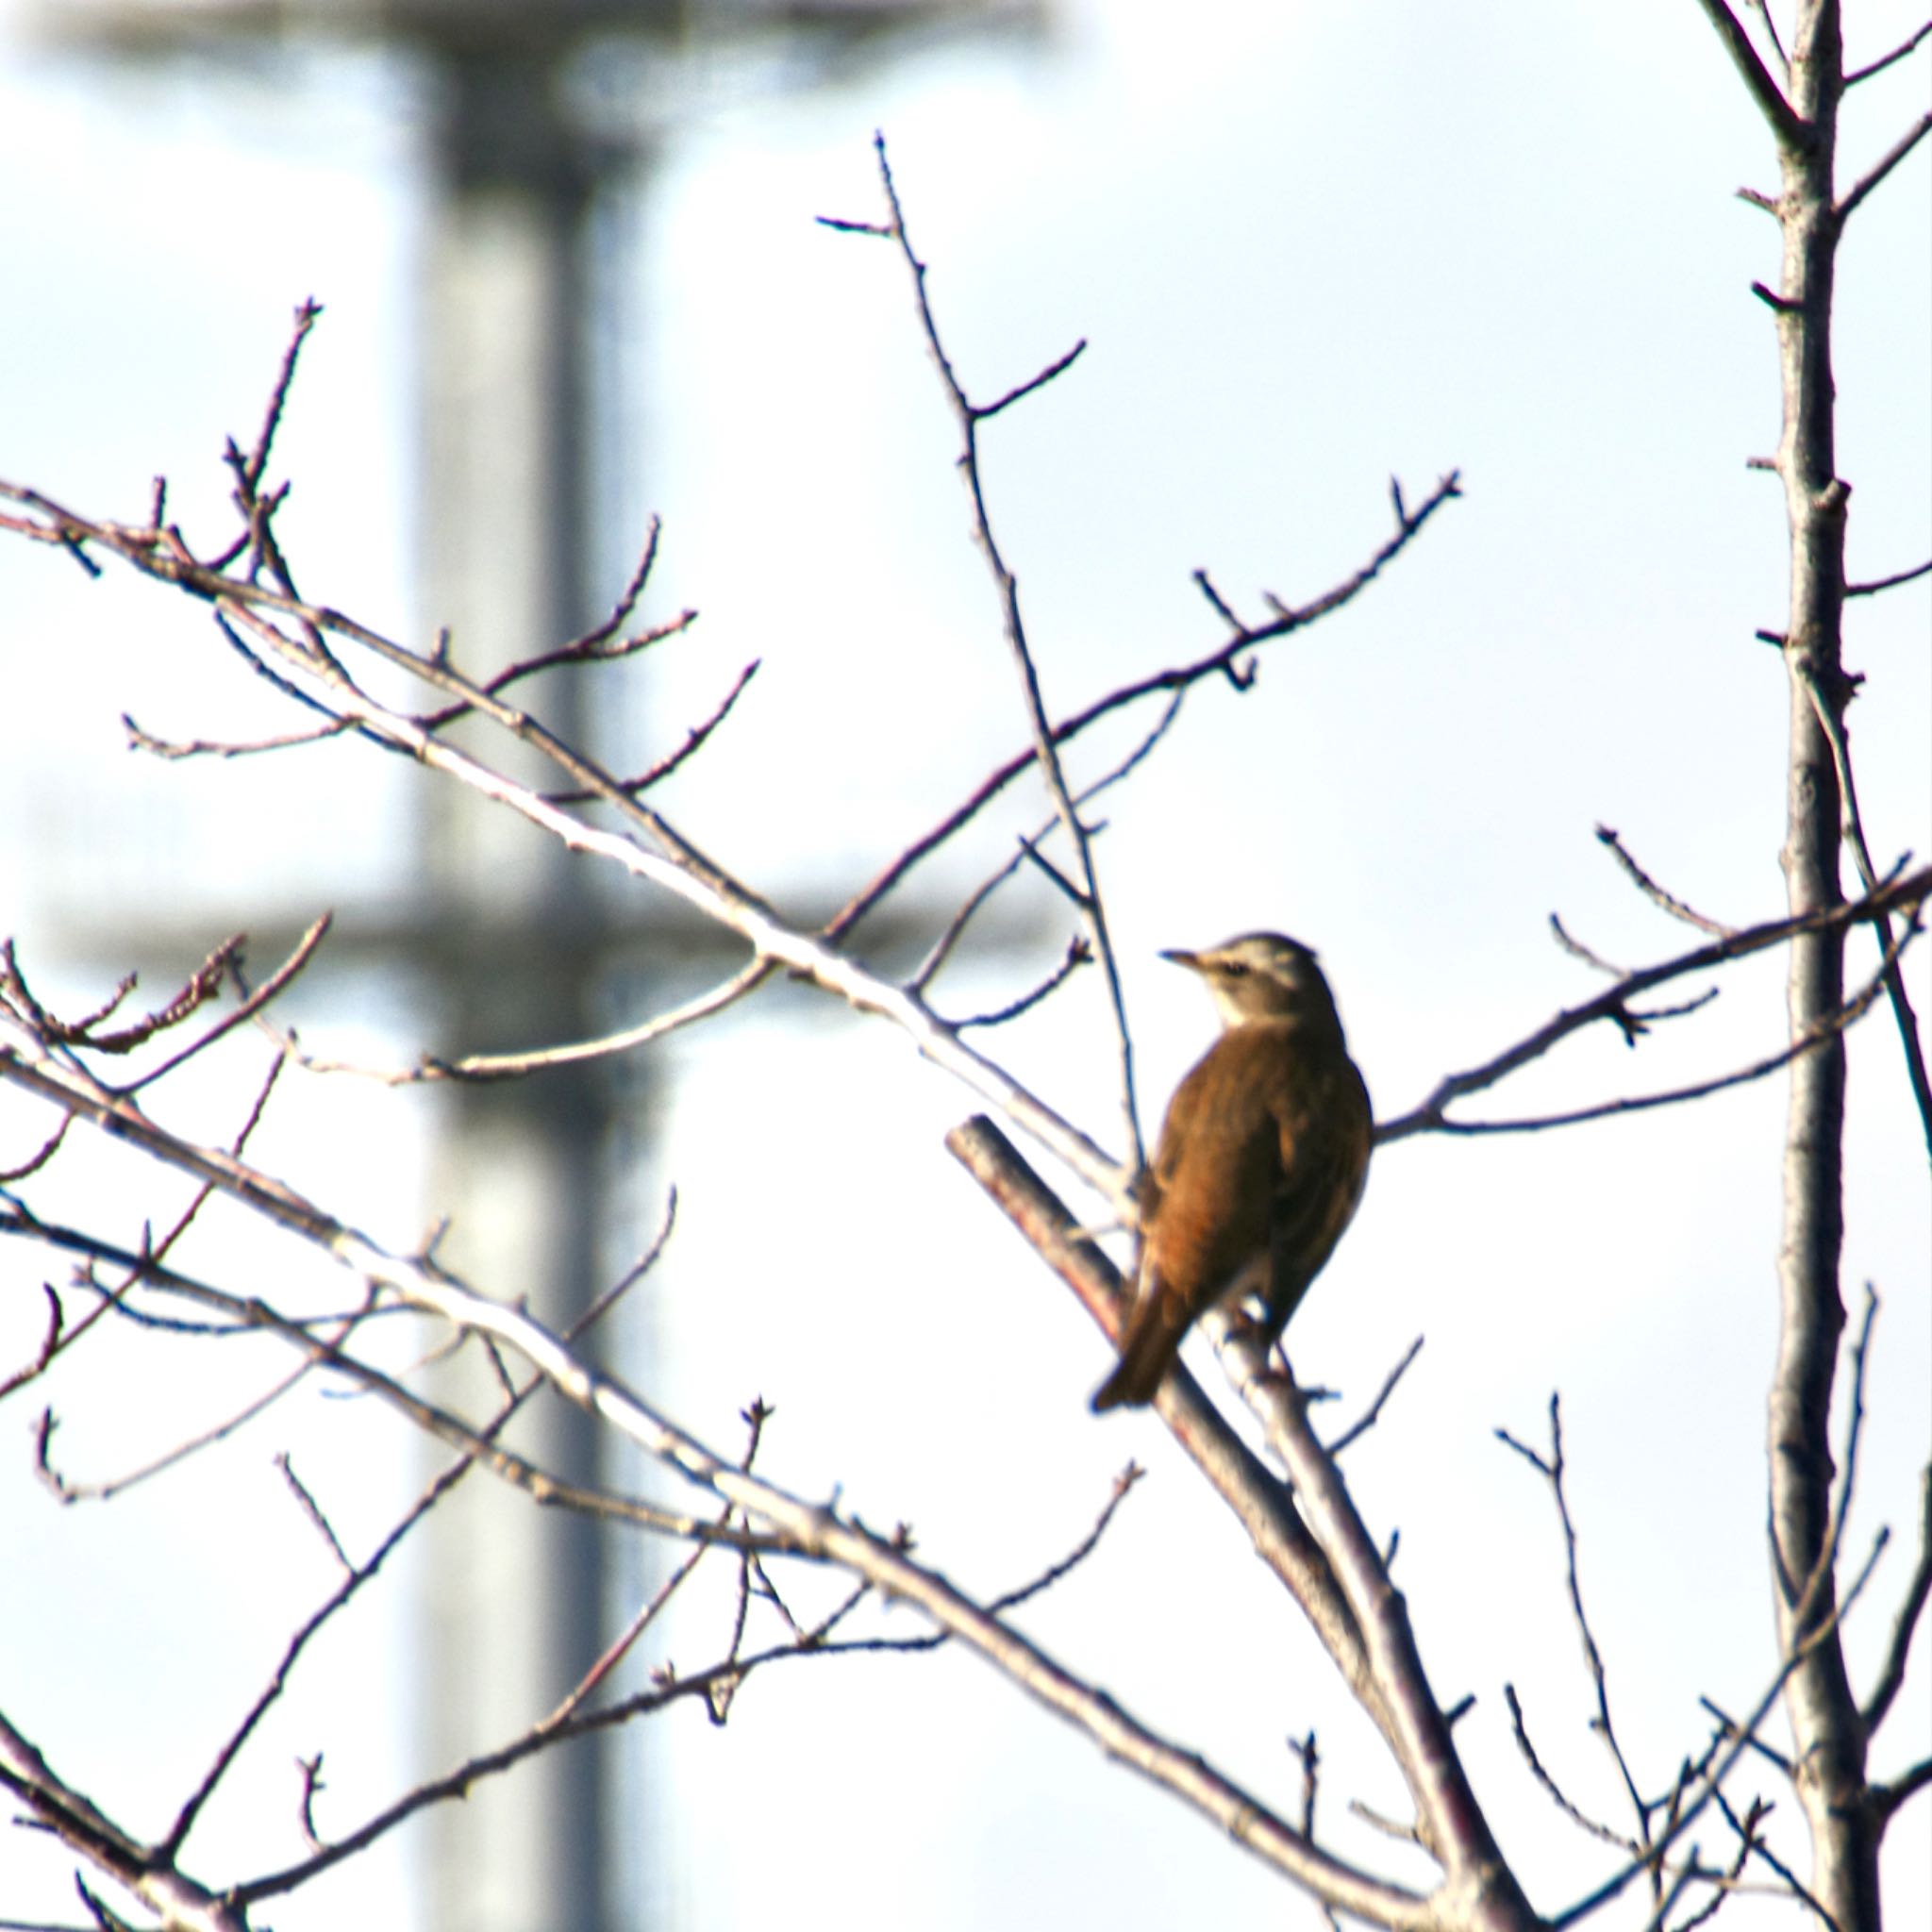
column 55, row 1806
column 248, row 1314
column 359, row 1575
column 1883, row 166
column 50, row 1344
column 1013, row 1599
column 1751, row 1845
column 1450, row 1817
column 1835, row 1023
column 1712, row 1778
column 694, row 741
column 969, row 417
column 1311, row 1760
column 205, row 1438
column 500, row 1066
column 1613, row 841
column 1878, row 66
column 1555, row 1791
column 1891, row 1673
column 252, row 467
column 140, row 740
column 1729, row 1728
column 1604, row 1725
column 1902, row 893
column 114, row 1299
column 632, row 592
column 252, row 1002
column 1577, row 950
column 1763, row 12
column 1791, row 130
column 1722, row 1884
column 42, row 1156
column 943, row 947
column 312, row 1509
column 1890, row 583
column 200, row 987
column 1367, row 1420
column 660, row 854
column 1831, row 722
column 1079, row 953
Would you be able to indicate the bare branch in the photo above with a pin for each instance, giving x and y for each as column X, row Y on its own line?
column 669, row 860
column 40, row 1157
column 1902, row 893
column 1577, row 950
column 1883, row 166
column 1750, row 1845
column 1790, row 130
column 252, row 1003
column 1057, row 367
column 201, row 986
column 251, row 467
column 50, row 1344
column 1367, row 1417
column 1450, row 1822
column 60, row 1810
column 969, row 417
column 1555, row 1791
column 1729, row 1728
column 814, row 1531
column 1887, row 1798
column 1218, row 663
column 1711, row 1780
column 312, row 1509
column 499, row 1066
column 360, row 1575
column 1604, row 1726
column 1816, row 1035
column 140, row 740
column 253, row 1314
column 694, row 741
column 943, row 947
column 1613, row 843
column 1831, row 722
column 632, row 592
column 1890, row 583
column 1898, row 52
column 1259, row 1500
column 181, row 1452
column 1123, row 1486
column 1911, row 1611
column 1079, row 953
column 1762, row 9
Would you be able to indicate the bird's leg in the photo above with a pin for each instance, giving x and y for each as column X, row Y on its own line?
column 1279, row 1370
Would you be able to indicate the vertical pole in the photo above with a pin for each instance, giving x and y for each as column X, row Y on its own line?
column 515, row 1592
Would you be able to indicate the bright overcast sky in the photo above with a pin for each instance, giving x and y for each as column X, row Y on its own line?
column 1311, row 247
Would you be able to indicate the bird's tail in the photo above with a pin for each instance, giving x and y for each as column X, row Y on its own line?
column 1146, row 1349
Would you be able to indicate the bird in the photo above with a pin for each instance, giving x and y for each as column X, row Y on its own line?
column 1260, row 1162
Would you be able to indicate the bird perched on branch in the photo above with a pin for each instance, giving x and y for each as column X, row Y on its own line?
column 1261, row 1158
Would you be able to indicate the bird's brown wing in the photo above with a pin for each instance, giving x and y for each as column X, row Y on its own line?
column 1204, row 1218
column 1324, row 1126
column 1216, row 1170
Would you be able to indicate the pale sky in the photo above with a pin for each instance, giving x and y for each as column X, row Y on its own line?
column 1310, row 248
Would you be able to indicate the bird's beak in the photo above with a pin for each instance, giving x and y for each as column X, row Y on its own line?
column 1184, row 959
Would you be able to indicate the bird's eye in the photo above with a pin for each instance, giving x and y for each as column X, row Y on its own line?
column 1235, row 969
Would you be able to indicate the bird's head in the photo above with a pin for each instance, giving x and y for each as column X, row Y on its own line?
column 1260, row 976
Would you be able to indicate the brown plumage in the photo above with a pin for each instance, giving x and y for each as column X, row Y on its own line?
column 1260, row 1162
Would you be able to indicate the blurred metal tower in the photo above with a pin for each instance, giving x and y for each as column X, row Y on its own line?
column 508, row 940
